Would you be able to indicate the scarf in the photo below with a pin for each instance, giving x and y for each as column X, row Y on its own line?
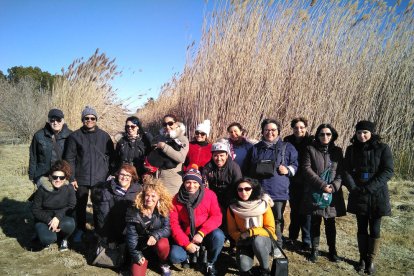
column 251, row 211
column 270, row 144
column 191, row 201
column 131, row 138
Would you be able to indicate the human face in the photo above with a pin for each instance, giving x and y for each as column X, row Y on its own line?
column 299, row 130
column 270, row 132
column 56, row 124
column 131, row 128
column 200, row 136
column 325, row 136
column 58, row 182
column 191, row 186
column 89, row 121
column 124, row 179
column 220, row 158
column 151, row 199
column 169, row 124
column 235, row 133
column 363, row 135
column 244, row 190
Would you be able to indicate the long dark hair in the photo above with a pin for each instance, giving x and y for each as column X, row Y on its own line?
column 257, row 191
column 331, row 128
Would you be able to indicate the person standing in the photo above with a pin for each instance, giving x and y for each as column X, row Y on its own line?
column 368, row 168
column 238, row 143
column 199, row 152
column 47, row 145
column 89, row 152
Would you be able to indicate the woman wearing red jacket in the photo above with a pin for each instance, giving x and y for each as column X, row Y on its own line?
column 195, row 220
column 199, row 152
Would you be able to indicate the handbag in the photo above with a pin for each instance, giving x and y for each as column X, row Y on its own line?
column 319, row 197
column 267, row 168
column 109, row 255
column 280, row 266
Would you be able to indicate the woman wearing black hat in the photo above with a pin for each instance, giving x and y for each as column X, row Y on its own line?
column 368, row 167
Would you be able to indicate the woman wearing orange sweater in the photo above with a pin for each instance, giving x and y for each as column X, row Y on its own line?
column 250, row 220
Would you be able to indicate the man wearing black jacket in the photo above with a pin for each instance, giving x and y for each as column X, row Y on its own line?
column 89, row 152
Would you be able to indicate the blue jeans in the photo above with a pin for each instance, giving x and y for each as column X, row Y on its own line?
column 260, row 247
column 213, row 242
column 46, row 237
column 278, row 210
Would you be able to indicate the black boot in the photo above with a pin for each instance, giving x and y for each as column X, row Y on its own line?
column 362, row 247
column 333, row 256
column 315, row 250
column 373, row 248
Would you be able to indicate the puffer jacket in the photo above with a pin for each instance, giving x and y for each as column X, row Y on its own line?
column 317, row 159
column 370, row 196
column 207, row 218
column 277, row 186
column 199, row 154
column 89, row 154
column 137, row 233
column 222, row 180
column 238, row 151
column 110, row 207
column 53, row 203
column 42, row 152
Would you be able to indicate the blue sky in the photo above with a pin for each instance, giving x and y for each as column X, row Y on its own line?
column 148, row 38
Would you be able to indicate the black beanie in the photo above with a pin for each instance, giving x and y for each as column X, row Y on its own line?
column 365, row 125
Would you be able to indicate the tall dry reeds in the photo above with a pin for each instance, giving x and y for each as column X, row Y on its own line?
column 331, row 61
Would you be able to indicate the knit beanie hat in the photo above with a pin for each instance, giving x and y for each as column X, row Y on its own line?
column 89, row 111
column 204, row 127
column 365, row 125
column 193, row 174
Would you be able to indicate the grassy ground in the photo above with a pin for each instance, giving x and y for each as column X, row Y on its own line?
column 16, row 228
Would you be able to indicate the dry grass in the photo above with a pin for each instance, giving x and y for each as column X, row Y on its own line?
column 331, row 61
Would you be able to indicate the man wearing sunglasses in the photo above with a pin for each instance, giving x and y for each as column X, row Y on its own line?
column 48, row 145
column 89, row 151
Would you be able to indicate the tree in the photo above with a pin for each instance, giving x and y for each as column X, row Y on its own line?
column 17, row 73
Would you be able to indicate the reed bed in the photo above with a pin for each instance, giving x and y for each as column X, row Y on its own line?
column 330, row 61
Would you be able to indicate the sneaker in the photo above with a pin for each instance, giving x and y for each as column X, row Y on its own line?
column 77, row 237
column 165, row 270
column 186, row 264
column 63, row 246
column 277, row 253
column 46, row 247
column 210, row 269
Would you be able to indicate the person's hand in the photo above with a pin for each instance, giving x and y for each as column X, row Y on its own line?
column 75, row 185
column 197, row 239
column 54, row 224
column 151, row 241
column 328, row 189
column 142, row 261
column 160, row 145
column 244, row 235
column 192, row 248
column 283, row 170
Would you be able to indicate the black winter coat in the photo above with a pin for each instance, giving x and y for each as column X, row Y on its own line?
column 317, row 159
column 110, row 207
column 89, row 154
column 56, row 203
column 368, row 167
column 137, row 233
column 222, row 180
column 43, row 153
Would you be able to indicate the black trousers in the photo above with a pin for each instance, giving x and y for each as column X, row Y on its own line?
column 374, row 225
column 82, row 195
column 46, row 236
column 330, row 231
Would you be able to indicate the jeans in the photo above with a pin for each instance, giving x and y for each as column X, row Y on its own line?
column 46, row 236
column 260, row 247
column 278, row 210
column 213, row 242
column 373, row 223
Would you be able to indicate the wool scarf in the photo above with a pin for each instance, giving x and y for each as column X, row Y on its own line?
column 251, row 211
column 191, row 201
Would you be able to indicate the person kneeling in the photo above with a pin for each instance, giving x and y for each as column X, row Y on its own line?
column 195, row 220
column 250, row 221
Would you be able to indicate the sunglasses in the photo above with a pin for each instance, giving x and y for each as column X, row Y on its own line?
column 89, row 118
column 200, row 133
column 56, row 177
column 130, row 126
column 52, row 120
column 246, row 189
column 325, row 134
column 170, row 123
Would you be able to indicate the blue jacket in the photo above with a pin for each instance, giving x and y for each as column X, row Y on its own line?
column 276, row 186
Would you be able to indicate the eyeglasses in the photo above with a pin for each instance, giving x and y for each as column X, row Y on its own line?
column 125, row 175
column 52, row 120
column 170, row 123
column 130, row 126
column 301, row 127
column 325, row 134
column 246, row 189
column 200, row 133
column 89, row 119
column 56, row 177
column 270, row 130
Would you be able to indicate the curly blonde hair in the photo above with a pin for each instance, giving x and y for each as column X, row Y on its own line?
column 164, row 204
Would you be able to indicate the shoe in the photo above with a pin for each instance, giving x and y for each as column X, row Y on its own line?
column 277, row 253
column 165, row 270
column 264, row 272
column 210, row 269
column 290, row 243
column 77, row 237
column 63, row 246
column 46, row 247
column 306, row 247
column 314, row 255
column 333, row 257
column 186, row 264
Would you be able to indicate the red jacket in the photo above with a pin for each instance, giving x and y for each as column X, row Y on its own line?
column 197, row 154
column 207, row 218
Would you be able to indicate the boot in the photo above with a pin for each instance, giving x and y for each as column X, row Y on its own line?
column 373, row 248
column 331, row 240
column 362, row 247
column 333, row 255
column 315, row 250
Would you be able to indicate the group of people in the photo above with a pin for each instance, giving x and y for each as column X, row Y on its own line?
column 172, row 200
